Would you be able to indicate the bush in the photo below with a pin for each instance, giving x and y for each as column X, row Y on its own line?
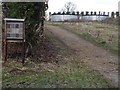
column 33, row 13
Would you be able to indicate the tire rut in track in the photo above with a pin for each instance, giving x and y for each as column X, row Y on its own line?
column 98, row 58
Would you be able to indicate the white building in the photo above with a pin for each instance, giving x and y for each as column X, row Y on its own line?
column 94, row 17
column 58, row 17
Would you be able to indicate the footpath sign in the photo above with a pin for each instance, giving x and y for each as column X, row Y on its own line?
column 14, row 31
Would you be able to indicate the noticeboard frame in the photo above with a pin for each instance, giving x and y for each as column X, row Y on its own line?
column 6, row 41
column 13, row 20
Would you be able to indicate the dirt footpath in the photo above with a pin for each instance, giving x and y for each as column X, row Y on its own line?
column 96, row 57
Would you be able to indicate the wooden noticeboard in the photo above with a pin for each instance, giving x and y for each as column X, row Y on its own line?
column 14, row 32
column 14, row 29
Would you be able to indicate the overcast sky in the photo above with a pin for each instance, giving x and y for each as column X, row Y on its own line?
column 85, row 5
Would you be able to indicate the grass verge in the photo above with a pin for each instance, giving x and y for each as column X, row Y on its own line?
column 97, row 41
column 68, row 72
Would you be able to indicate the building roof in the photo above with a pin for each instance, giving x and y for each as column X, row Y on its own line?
column 13, row 19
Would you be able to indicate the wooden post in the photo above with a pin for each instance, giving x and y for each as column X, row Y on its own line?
column 23, row 60
column 5, row 52
column 4, row 48
column 23, row 55
column 5, row 45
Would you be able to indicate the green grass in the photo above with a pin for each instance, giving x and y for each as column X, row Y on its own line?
column 70, row 72
column 83, row 77
column 54, row 24
column 107, row 28
column 99, row 42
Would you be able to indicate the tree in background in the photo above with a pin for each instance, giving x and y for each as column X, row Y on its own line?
column 73, row 13
column 103, row 13
column 69, row 7
column 82, row 13
column 63, row 13
column 108, row 13
column 59, row 13
column 54, row 13
column 95, row 13
column 67, row 12
column 99, row 13
column 117, row 14
column 112, row 14
column 91, row 12
column 87, row 13
column 78, row 12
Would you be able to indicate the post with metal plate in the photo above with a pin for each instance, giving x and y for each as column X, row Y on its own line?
column 14, row 32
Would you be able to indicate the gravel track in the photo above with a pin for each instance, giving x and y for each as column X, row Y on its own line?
column 99, row 59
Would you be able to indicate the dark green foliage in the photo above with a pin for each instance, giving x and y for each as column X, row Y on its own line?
column 78, row 12
column 91, row 13
column 117, row 14
column 108, row 13
column 49, row 13
column 87, row 13
column 73, row 13
column 63, row 13
column 103, row 13
column 112, row 14
column 32, row 13
column 82, row 13
column 99, row 13
column 95, row 13
column 67, row 12
column 54, row 13
column 59, row 13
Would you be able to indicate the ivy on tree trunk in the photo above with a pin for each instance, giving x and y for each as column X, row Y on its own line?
column 32, row 12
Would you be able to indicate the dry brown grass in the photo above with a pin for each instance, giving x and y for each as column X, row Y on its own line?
column 99, row 32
